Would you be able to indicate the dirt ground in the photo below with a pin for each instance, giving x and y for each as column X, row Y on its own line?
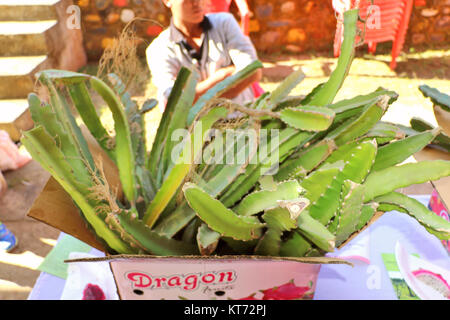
column 18, row 270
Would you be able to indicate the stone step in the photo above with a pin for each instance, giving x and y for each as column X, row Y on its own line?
column 24, row 38
column 30, row 12
column 28, row 2
column 15, row 117
column 16, row 75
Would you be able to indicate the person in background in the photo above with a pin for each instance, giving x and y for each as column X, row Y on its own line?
column 10, row 159
column 7, row 239
column 212, row 44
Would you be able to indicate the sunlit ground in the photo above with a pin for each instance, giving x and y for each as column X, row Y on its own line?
column 367, row 73
column 19, row 269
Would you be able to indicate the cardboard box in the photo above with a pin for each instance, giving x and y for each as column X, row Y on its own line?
column 440, row 198
column 154, row 277
column 196, row 277
column 214, row 277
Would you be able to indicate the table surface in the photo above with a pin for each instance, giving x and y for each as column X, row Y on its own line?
column 364, row 281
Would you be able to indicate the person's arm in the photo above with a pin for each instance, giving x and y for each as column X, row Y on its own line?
column 222, row 74
column 241, row 86
column 214, row 79
column 241, row 51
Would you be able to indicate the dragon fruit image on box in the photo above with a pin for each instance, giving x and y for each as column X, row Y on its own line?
column 434, row 280
column 427, row 280
column 93, row 292
column 287, row 291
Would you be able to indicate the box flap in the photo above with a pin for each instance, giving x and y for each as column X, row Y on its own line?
column 56, row 208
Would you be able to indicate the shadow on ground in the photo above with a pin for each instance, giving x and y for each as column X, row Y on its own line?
column 414, row 63
column 18, row 269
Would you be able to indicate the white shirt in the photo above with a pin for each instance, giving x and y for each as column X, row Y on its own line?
column 224, row 44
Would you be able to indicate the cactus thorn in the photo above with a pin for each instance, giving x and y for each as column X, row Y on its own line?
column 374, row 205
column 332, row 244
column 383, row 102
column 399, row 135
column 436, row 131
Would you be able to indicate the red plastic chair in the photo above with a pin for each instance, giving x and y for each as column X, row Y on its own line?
column 244, row 12
column 393, row 24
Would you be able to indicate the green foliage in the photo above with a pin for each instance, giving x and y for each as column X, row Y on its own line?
column 303, row 191
column 437, row 97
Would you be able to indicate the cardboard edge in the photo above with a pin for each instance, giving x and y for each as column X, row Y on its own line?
column 442, row 186
column 116, row 281
column 311, row 260
column 441, row 196
column 375, row 217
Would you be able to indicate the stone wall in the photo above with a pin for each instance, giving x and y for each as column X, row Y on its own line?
column 296, row 25
column 430, row 24
column 103, row 20
column 275, row 25
column 303, row 25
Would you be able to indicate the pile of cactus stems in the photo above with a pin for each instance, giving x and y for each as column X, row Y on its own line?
column 336, row 163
